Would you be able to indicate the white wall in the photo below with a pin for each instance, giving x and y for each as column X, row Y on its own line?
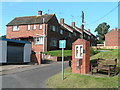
column 27, row 52
column 3, row 51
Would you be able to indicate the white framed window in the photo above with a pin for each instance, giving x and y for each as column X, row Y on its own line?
column 89, row 37
column 61, row 31
column 28, row 27
column 84, row 35
column 53, row 42
column 78, row 51
column 40, row 26
column 34, row 26
column 53, row 28
column 38, row 40
column 15, row 28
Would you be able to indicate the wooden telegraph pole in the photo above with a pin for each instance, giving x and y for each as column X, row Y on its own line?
column 82, row 25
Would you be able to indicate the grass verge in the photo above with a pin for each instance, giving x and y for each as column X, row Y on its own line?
column 81, row 81
column 113, row 54
column 58, row 53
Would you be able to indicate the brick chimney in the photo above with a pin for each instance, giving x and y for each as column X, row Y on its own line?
column 81, row 27
column 62, row 21
column 88, row 30
column 39, row 12
column 116, row 29
column 73, row 24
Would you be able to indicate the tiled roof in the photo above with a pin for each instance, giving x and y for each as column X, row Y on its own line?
column 71, row 27
column 79, row 30
column 31, row 19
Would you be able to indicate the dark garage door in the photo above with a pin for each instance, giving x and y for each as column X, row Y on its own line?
column 15, row 52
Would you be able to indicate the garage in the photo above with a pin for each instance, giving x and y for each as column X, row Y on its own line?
column 15, row 51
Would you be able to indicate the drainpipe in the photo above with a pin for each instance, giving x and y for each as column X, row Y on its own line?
column 44, row 28
column 44, row 37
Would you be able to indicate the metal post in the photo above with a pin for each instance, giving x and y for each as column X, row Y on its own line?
column 62, row 63
column 82, row 25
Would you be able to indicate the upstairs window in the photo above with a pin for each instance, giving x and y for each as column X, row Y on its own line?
column 28, row 27
column 15, row 28
column 84, row 35
column 38, row 40
column 34, row 26
column 88, row 37
column 53, row 28
column 61, row 31
column 40, row 26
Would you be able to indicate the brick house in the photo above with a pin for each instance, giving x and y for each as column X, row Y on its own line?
column 112, row 38
column 43, row 31
column 77, row 32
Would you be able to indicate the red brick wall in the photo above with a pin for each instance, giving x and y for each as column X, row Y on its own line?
column 85, row 62
column 23, row 32
column 56, row 34
column 112, row 38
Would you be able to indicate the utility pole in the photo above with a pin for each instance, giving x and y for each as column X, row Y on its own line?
column 82, row 25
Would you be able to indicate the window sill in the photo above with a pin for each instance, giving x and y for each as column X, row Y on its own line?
column 38, row 44
column 16, row 31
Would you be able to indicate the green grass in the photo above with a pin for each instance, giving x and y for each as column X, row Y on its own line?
column 58, row 53
column 113, row 54
column 86, row 81
column 105, row 49
column 81, row 81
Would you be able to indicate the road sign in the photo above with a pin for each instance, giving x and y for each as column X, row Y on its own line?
column 62, row 43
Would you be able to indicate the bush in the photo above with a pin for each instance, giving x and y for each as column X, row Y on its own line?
column 100, row 42
column 92, row 52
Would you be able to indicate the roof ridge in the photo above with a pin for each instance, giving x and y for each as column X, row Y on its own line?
column 35, row 16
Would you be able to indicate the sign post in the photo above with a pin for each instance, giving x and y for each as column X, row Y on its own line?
column 62, row 44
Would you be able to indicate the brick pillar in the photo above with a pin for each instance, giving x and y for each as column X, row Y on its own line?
column 36, row 57
column 84, row 63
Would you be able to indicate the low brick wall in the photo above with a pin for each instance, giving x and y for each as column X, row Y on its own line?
column 106, row 47
column 54, row 58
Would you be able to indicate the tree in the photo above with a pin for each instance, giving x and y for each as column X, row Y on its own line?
column 4, row 36
column 101, row 30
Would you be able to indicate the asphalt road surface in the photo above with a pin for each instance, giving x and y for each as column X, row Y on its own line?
column 34, row 78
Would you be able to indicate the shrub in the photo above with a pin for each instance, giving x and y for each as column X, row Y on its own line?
column 100, row 42
column 92, row 52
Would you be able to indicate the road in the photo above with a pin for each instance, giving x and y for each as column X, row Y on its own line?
column 34, row 78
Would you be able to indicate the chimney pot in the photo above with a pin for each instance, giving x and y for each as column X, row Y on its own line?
column 39, row 12
column 73, row 24
column 62, row 21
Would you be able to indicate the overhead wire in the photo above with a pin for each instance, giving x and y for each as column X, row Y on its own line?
column 104, row 15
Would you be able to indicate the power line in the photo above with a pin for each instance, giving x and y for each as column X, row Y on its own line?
column 104, row 15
